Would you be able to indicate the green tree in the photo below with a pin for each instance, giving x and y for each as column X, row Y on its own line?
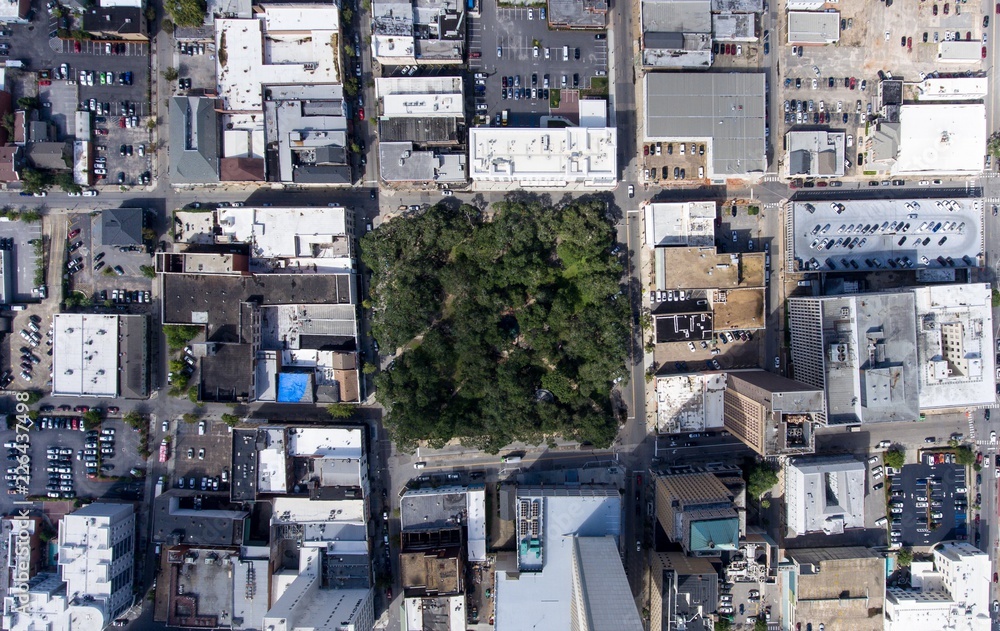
column 170, row 74
column 761, row 478
column 91, row 419
column 895, row 457
column 64, row 180
column 964, row 456
column 996, row 298
column 178, row 335
column 191, row 418
column 187, row 12
column 34, row 396
column 341, row 410
column 132, row 419
column 723, row 624
column 148, row 271
column 346, row 15
column 759, row 624
column 34, row 181
column 904, row 557
column 167, row 26
column 29, row 103
column 351, row 86
column 993, row 145
column 230, row 419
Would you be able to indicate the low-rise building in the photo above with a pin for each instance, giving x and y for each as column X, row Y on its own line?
column 679, row 223
column 113, row 20
column 723, row 110
column 577, row 14
column 194, row 140
column 676, row 33
column 547, row 157
column 839, row 587
column 815, row 154
column 824, row 495
column 952, row 591
column 96, row 355
column 418, row 32
column 813, row 27
column 685, row 592
column 928, row 139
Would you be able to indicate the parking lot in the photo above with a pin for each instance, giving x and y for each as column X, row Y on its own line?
column 68, row 470
column 887, row 36
column 79, row 74
column 571, row 61
column 94, row 258
column 196, row 455
column 23, row 256
column 666, row 163
column 925, row 505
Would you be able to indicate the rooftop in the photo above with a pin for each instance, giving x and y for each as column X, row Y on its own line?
column 578, row 14
column 816, row 153
column 85, row 355
column 941, row 138
column 920, row 231
column 176, row 520
column 402, row 162
column 706, row 268
column 726, row 110
column 121, row 226
column 813, row 27
column 689, row 403
column 842, row 584
column 955, row 345
column 680, row 223
column 194, row 140
column 308, row 237
column 825, row 494
column 552, row 157
column 273, row 47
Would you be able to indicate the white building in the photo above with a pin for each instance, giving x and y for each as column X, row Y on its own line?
column 546, row 158
column 446, row 506
column 813, row 27
column 824, row 495
column 817, row 153
column 308, row 239
column 680, row 223
column 96, row 557
column 85, row 355
column 336, row 455
column 931, row 139
column 568, row 571
column 951, row 592
column 283, row 44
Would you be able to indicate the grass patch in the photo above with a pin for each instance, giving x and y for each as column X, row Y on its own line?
column 598, row 87
column 554, row 97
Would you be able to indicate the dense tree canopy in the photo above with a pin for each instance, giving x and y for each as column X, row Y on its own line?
column 490, row 314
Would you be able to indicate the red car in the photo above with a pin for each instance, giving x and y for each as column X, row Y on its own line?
column 984, row 52
column 76, row 47
column 998, row 8
column 909, row 44
column 44, row 82
column 72, row 234
column 854, row 82
column 476, row 55
column 81, row 409
column 112, row 410
column 361, row 113
column 74, row 423
column 645, row 150
column 994, row 577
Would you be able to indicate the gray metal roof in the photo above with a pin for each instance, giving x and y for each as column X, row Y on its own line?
column 726, row 109
column 194, row 140
column 121, row 226
column 681, row 16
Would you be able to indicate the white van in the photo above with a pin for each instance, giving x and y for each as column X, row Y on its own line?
column 881, row 521
column 565, row 53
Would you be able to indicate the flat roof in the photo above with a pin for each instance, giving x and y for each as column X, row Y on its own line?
column 689, row 403
column 385, row 86
column 85, row 355
column 816, row 153
column 584, row 14
column 309, row 238
column 545, row 592
column 680, row 223
column 423, row 105
column 907, row 229
column 813, row 27
column 726, row 110
column 955, row 346
column 676, row 16
column 402, row 162
column 952, row 89
column 274, row 47
column 825, row 494
column 551, row 156
column 706, row 268
column 941, row 138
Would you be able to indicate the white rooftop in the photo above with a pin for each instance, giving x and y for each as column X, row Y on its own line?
column 422, row 105
column 813, row 27
column 326, row 442
column 284, row 44
column 689, row 403
column 417, row 85
column 302, row 510
column 272, row 468
column 680, row 223
column 952, row 89
column 85, row 355
column 528, row 599
column 941, row 138
column 825, row 494
column 552, row 158
column 311, row 235
column 955, row 352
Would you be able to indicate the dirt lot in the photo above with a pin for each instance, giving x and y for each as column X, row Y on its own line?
column 743, row 309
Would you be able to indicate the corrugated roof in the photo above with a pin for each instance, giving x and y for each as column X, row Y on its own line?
column 194, row 140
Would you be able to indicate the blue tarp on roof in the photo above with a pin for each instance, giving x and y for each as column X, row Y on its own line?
column 293, row 387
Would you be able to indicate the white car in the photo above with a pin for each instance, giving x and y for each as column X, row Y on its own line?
column 777, row 362
column 531, row 14
column 631, row 191
column 993, row 437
